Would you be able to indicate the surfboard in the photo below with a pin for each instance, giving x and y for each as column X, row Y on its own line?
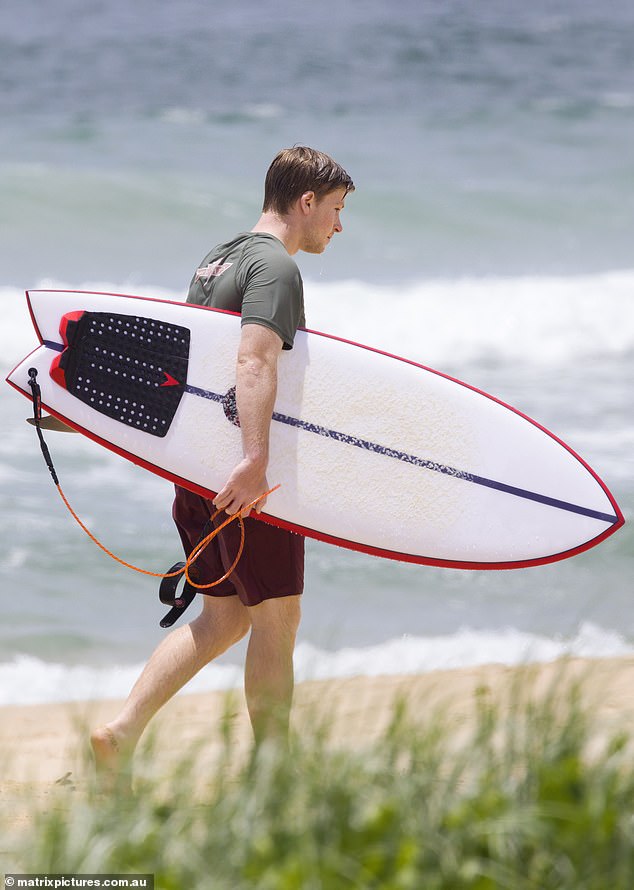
column 371, row 451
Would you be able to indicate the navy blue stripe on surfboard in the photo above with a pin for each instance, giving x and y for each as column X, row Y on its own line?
column 347, row 439
column 441, row 468
column 393, row 453
column 203, row 393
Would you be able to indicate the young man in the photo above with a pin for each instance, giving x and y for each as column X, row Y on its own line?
column 253, row 274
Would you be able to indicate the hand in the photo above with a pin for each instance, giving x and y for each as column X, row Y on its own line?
column 245, row 484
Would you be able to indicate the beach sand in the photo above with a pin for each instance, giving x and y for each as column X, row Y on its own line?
column 45, row 752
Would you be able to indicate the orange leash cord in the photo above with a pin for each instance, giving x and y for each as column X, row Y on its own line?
column 193, row 556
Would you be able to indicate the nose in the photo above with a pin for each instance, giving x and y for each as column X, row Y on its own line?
column 338, row 226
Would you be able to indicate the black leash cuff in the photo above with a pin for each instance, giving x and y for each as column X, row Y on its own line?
column 37, row 416
column 167, row 595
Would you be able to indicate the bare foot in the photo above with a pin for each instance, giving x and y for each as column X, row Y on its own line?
column 112, row 760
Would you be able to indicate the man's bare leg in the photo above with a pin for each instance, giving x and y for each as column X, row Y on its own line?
column 268, row 679
column 222, row 622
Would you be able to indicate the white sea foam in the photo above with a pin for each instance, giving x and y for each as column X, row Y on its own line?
column 29, row 680
column 540, row 320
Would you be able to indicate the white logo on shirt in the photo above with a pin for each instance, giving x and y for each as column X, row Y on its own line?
column 213, row 270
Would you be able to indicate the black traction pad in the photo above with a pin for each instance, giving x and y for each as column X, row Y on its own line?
column 129, row 368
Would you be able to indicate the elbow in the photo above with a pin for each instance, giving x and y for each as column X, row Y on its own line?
column 255, row 365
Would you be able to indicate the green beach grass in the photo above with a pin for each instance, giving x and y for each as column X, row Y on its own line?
column 530, row 798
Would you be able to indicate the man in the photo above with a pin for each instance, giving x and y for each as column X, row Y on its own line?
column 253, row 274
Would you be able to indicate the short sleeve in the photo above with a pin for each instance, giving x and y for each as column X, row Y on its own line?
column 273, row 293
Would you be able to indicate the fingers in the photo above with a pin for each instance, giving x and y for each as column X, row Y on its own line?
column 260, row 504
column 235, row 500
column 228, row 502
column 223, row 500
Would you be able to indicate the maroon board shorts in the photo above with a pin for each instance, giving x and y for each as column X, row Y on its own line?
column 272, row 562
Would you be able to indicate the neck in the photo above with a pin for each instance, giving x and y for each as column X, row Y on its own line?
column 280, row 227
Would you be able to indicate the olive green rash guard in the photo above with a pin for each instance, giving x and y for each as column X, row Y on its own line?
column 254, row 275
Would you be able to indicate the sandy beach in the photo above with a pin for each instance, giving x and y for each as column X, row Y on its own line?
column 45, row 754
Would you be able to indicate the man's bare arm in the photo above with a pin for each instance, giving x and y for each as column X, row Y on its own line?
column 256, row 388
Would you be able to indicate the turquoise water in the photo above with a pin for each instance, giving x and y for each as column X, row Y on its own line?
column 484, row 138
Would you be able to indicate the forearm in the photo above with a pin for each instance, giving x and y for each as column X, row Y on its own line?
column 256, row 388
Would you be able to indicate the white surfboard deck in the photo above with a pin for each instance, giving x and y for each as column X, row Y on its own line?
column 371, row 452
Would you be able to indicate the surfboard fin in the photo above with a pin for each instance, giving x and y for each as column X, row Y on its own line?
column 52, row 423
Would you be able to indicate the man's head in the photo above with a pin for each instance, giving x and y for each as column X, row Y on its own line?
column 296, row 171
column 306, row 190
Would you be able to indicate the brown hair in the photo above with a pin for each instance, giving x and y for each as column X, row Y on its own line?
column 300, row 169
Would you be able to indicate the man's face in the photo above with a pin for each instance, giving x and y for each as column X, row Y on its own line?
column 323, row 220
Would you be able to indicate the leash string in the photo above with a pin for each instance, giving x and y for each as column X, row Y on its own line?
column 198, row 548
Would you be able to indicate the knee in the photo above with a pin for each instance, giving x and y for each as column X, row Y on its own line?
column 221, row 624
column 294, row 614
column 236, row 624
column 277, row 617
column 242, row 626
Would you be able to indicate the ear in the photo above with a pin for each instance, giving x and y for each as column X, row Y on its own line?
column 307, row 202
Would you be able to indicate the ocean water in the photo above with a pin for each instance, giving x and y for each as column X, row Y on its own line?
column 490, row 237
